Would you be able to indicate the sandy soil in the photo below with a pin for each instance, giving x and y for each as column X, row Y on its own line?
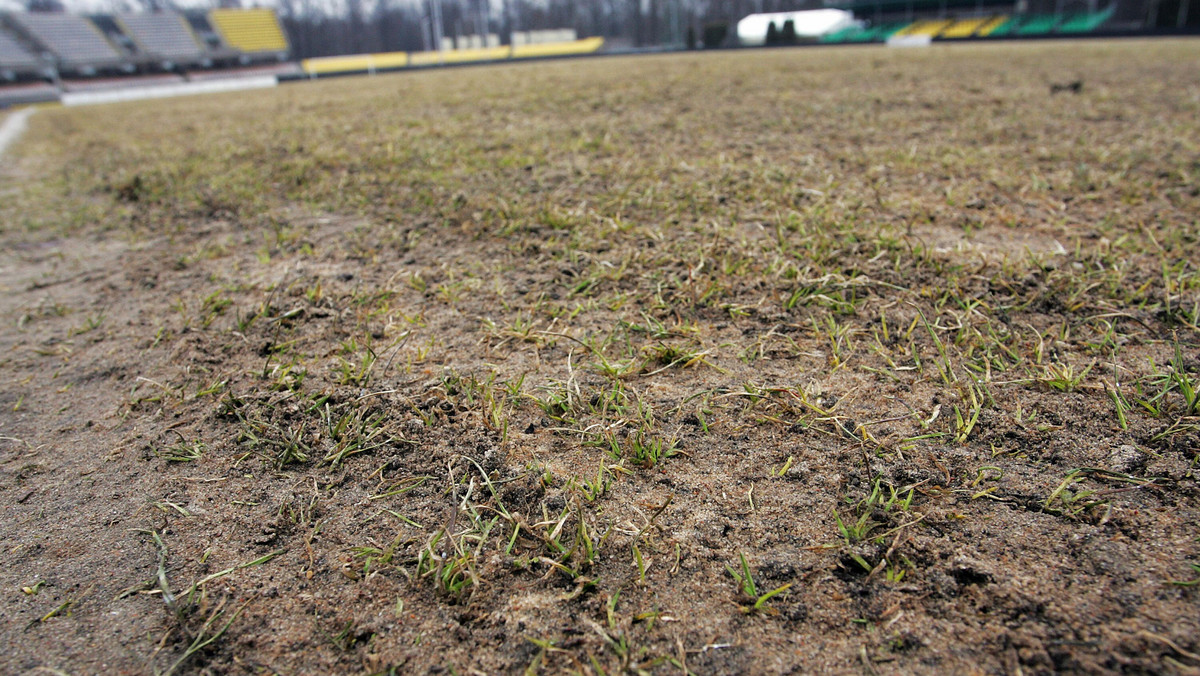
column 550, row 414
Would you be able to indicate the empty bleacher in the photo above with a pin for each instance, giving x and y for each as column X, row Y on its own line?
column 1086, row 22
column 929, row 27
column 73, row 40
column 991, row 25
column 14, row 58
column 1007, row 28
column 940, row 23
column 249, row 30
column 841, row 35
column 853, row 34
column 965, row 28
column 162, row 35
column 1037, row 25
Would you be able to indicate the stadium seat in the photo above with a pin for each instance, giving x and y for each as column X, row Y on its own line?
column 1037, row 25
column 871, row 34
column 1086, row 22
column 73, row 39
column 14, row 58
column 1009, row 27
column 249, row 30
column 992, row 25
column 864, row 35
column 964, row 28
column 162, row 35
column 842, row 35
column 929, row 27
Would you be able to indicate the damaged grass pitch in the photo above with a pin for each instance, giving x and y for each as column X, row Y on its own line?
column 710, row 363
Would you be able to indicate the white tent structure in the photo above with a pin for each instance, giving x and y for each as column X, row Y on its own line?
column 810, row 24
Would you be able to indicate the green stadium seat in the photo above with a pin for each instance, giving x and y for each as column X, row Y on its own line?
column 1086, row 22
column 840, row 36
column 1038, row 25
column 1009, row 27
column 992, row 25
column 864, row 35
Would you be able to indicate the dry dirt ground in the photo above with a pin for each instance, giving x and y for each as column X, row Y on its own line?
column 796, row 361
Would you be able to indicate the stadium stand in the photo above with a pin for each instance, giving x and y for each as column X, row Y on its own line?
column 964, row 28
column 1086, row 22
column 14, row 58
column 991, row 25
column 868, row 34
column 929, row 27
column 1007, row 28
column 162, row 35
column 371, row 63
column 253, row 31
column 864, row 34
column 75, row 41
column 841, row 36
column 1037, row 25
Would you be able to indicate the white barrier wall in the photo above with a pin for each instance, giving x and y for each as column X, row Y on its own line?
column 910, row 41
column 545, row 37
column 168, row 90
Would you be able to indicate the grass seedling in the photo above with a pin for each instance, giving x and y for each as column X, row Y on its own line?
column 453, row 571
column 649, row 452
column 1120, row 403
column 1074, row 503
column 1062, row 377
column 964, row 425
column 353, row 432
column 1194, row 582
column 786, row 466
column 944, row 367
column 208, row 634
column 284, row 447
column 746, row 585
column 1184, row 382
column 183, row 451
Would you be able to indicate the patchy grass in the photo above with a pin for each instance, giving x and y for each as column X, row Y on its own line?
column 823, row 359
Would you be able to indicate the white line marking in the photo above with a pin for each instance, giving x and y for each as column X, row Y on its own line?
column 14, row 125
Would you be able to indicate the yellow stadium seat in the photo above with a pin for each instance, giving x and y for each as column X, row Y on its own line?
column 249, row 30
column 964, row 28
column 929, row 27
column 991, row 25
